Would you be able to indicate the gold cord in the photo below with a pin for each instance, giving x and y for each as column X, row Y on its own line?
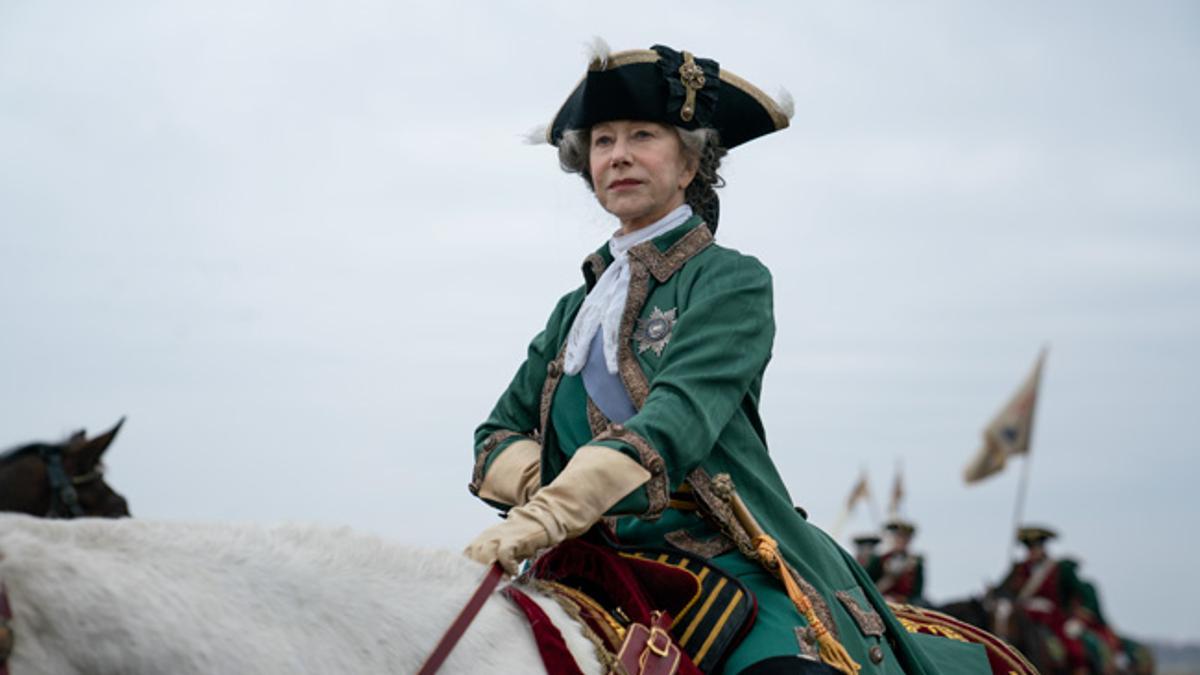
column 830, row 650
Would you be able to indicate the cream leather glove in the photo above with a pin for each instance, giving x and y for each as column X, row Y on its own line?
column 515, row 474
column 593, row 481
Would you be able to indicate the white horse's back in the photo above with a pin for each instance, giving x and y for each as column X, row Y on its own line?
column 129, row 597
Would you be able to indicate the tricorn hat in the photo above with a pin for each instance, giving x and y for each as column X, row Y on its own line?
column 868, row 539
column 1034, row 534
column 900, row 525
column 670, row 87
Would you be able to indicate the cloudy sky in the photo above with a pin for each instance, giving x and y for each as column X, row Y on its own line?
column 302, row 247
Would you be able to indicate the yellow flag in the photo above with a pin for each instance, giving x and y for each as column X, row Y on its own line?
column 1009, row 432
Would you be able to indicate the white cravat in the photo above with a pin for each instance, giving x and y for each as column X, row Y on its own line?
column 603, row 307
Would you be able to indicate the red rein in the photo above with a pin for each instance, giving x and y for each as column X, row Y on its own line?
column 446, row 644
column 556, row 657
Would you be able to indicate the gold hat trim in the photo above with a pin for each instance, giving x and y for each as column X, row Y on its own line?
column 625, row 58
column 777, row 116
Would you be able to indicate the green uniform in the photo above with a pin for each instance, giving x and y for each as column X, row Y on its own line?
column 695, row 384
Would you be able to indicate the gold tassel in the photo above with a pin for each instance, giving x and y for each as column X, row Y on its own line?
column 829, row 649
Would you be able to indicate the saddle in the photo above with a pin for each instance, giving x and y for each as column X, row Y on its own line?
column 649, row 610
column 1002, row 657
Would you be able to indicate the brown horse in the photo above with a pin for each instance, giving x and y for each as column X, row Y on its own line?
column 998, row 616
column 60, row 480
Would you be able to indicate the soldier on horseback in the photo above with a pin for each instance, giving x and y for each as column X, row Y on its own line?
column 1048, row 590
column 900, row 574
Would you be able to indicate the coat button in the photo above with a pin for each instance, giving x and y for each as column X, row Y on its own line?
column 618, row 428
column 489, row 443
column 553, row 369
column 876, row 654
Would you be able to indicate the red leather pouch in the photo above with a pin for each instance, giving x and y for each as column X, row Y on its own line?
column 649, row 650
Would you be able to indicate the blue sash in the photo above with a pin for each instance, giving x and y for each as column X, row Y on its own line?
column 604, row 388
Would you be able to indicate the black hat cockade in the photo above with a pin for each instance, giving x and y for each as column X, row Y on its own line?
column 675, row 88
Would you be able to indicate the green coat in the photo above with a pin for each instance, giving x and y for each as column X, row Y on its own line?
column 697, row 390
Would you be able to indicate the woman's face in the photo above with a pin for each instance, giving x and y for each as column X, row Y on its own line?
column 639, row 170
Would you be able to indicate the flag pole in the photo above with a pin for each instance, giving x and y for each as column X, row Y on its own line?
column 874, row 509
column 1019, row 509
column 1023, row 483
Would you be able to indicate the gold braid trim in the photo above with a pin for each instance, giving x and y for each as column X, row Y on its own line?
column 597, row 422
column 630, row 370
column 778, row 117
column 646, row 261
column 596, row 265
column 603, row 655
column 718, row 512
column 554, row 373
column 664, row 265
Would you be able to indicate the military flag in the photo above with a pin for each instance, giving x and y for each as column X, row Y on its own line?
column 858, row 492
column 1009, row 432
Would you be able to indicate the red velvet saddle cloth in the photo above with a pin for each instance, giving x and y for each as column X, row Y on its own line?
column 610, row 590
column 1002, row 657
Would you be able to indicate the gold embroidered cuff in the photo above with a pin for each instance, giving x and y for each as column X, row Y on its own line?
column 656, row 488
column 489, row 445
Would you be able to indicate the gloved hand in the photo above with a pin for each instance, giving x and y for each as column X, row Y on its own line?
column 593, row 481
column 515, row 475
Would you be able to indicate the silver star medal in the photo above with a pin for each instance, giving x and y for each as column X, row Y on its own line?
column 654, row 332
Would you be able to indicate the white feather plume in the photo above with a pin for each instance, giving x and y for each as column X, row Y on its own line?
column 598, row 50
column 786, row 103
column 536, row 135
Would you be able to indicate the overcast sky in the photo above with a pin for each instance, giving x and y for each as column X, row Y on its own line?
column 302, row 247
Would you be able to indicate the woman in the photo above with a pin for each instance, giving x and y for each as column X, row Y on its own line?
column 644, row 385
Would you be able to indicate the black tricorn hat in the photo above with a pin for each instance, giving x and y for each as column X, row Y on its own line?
column 900, row 525
column 662, row 85
column 867, row 539
column 1034, row 534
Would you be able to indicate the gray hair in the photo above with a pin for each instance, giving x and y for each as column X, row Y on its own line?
column 700, row 145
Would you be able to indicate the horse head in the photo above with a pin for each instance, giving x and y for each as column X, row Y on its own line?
column 61, row 480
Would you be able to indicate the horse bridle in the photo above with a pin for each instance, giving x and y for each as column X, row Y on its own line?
column 64, row 499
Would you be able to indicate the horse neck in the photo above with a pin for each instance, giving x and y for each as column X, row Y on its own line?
column 23, row 486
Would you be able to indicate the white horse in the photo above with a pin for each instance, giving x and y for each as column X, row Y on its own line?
column 136, row 597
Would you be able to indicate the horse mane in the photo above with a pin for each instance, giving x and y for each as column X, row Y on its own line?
column 37, row 446
column 22, row 450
